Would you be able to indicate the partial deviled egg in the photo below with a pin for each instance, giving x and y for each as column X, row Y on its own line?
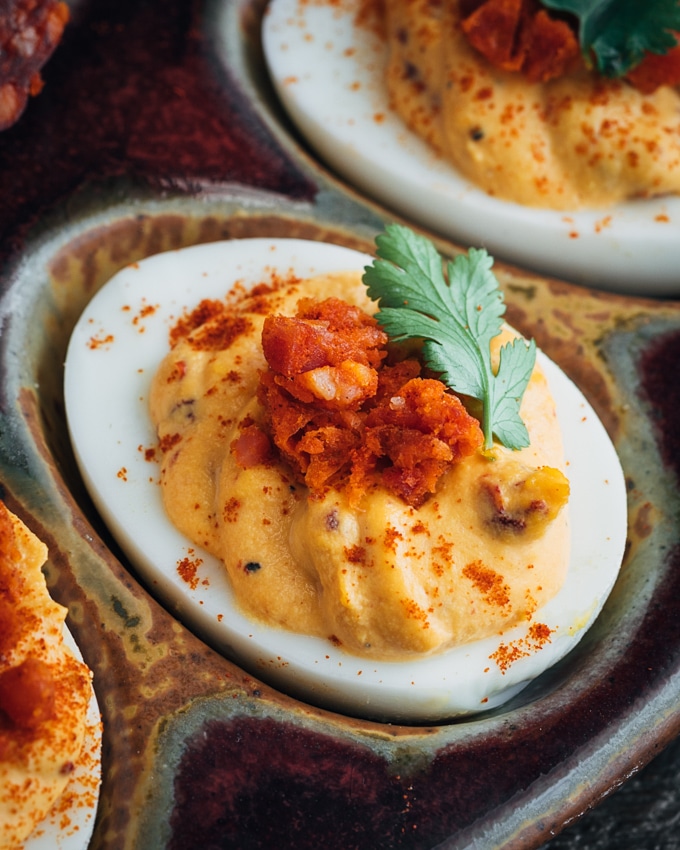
column 115, row 351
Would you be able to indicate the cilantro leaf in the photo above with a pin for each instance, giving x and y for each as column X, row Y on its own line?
column 616, row 34
column 456, row 321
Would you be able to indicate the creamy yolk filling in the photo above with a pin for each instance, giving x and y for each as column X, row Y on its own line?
column 375, row 574
column 573, row 142
column 44, row 690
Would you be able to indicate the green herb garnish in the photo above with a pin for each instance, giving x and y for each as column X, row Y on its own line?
column 615, row 35
column 456, row 321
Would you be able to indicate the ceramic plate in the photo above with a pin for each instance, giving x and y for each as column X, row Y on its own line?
column 198, row 752
column 328, row 73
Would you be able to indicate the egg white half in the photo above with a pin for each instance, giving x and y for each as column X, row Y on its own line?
column 328, row 74
column 115, row 349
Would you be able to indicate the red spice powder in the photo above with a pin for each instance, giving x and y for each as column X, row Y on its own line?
column 220, row 332
column 206, row 310
column 96, row 342
column 214, row 325
column 415, row 612
column 231, row 510
column 490, row 583
column 168, row 441
column 355, row 554
column 145, row 311
column 540, row 633
column 391, row 537
column 444, row 549
column 177, row 372
column 187, row 570
column 537, row 637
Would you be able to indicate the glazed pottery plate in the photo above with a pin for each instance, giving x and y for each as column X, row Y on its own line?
column 157, row 129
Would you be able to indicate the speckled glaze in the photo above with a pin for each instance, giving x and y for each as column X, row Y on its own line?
column 157, row 129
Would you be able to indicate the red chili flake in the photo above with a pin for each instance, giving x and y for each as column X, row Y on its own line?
column 415, row 612
column 220, row 333
column 391, row 537
column 231, row 510
column 537, row 637
column 96, row 342
column 187, row 569
column 177, row 372
column 206, row 310
column 489, row 583
column 168, row 441
column 540, row 633
column 444, row 549
column 355, row 554
column 145, row 311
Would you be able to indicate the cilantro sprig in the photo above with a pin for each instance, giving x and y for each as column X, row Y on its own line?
column 456, row 321
column 615, row 35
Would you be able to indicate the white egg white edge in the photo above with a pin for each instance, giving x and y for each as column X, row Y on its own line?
column 73, row 828
column 106, row 395
column 328, row 74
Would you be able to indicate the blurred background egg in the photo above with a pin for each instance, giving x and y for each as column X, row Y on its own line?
column 328, row 72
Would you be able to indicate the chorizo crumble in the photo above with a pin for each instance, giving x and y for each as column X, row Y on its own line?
column 524, row 36
column 30, row 31
column 345, row 412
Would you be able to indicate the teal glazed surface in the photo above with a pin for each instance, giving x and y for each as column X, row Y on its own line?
column 157, row 129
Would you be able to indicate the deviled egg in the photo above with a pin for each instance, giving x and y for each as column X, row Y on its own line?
column 125, row 366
